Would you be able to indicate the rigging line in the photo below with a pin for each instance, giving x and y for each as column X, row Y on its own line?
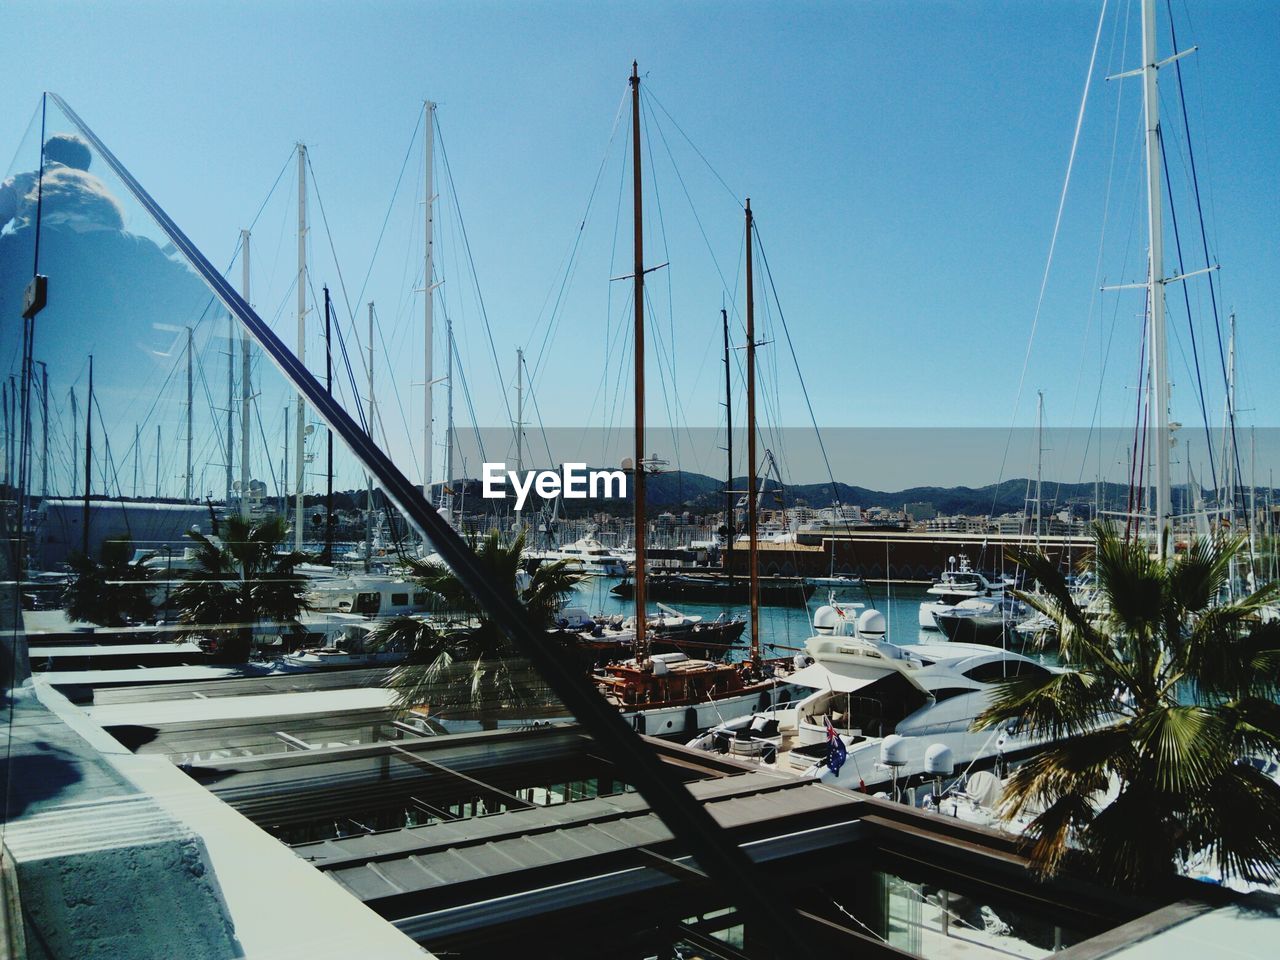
column 475, row 279
column 413, row 138
column 342, row 283
column 266, row 447
column 342, row 347
column 1186, row 298
column 538, row 413
column 804, row 390
column 692, row 209
column 1098, row 278
column 667, row 390
column 1102, row 230
column 395, row 384
column 648, row 91
column 1053, row 243
column 662, row 228
column 1204, row 239
column 571, row 255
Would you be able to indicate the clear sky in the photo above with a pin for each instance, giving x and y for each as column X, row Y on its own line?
column 904, row 162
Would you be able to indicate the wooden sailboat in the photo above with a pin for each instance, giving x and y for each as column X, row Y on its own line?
column 658, row 683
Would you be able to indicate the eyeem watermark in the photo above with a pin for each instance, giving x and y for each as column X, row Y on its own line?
column 573, row 482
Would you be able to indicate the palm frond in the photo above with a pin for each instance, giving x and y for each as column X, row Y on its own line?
column 1185, row 746
column 1054, row 706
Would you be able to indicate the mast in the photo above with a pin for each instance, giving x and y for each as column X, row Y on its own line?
column 300, row 440
column 447, row 489
column 157, row 461
column 8, row 432
column 428, row 144
column 231, row 405
column 75, row 439
column 190, row 408
column 1156, row 278
column 246, row 390
column 328, row 386
column 137, row 449
column 1229, row 451
column 751, row 449
column 519, row 411
column 368, row 477
column 44, row 428
column 1039, row 456
column 88, row 460
column 728, row 446
column 641, row 642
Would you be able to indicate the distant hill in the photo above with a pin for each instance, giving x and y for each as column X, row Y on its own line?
column 678, row 490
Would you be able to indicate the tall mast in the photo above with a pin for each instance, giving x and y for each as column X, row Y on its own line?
column 519, row 411
column 190, row 408
column 1156, row 277
column 157, row 461
column 728, row 446
column 1229, row 451
column 231, row 405
column 428, row 145
column 1039, row 456
column 75, row 439
column 44, row 428
column 300, row 438
column 137, row 449
column 448, row 434
column 8, row 432
column 328, row 385
column 246, row 389
column 754, row 547
column 368, row 486
column 641, row 643
column 88, row 460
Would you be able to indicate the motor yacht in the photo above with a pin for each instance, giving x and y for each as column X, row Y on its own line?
column 870, row 692
column 959, row 582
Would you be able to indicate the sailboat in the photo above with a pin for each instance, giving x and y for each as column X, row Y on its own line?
column 658, row 683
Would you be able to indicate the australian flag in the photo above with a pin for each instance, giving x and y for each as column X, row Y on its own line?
column 836, row 750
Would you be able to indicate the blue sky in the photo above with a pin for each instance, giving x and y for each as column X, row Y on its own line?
column 904, row 162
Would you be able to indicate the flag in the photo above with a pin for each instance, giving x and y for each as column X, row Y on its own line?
column 836, row 751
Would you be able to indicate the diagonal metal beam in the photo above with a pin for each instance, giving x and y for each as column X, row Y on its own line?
column 692, row 825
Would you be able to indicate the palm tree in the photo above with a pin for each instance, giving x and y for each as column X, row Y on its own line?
column 1173, row 691
column 239, row 581
column 475, row 669
column 110, row 591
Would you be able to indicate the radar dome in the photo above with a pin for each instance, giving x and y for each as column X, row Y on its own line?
column 893, row 751
column 938, row 760
column 872, row 623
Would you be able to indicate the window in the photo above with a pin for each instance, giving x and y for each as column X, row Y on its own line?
column 399, row 599
column 1000, row 669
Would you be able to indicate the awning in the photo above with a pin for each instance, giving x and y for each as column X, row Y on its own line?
column 842, row 678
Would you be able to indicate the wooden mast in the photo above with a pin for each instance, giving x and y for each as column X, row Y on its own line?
column 751, row 450
column 641, row 643
column 728, row 445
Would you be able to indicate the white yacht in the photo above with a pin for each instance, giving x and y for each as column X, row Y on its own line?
column 588, row 555
column 368, row 595
column 878, row 697
column 959, row 582
column 345, row 651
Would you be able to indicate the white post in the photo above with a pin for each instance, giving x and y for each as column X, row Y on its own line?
column 428, row 145
column 246, row 387
column 1155, row 278
column 300, row 439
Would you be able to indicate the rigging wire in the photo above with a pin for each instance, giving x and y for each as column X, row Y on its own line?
column 1053, row 243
